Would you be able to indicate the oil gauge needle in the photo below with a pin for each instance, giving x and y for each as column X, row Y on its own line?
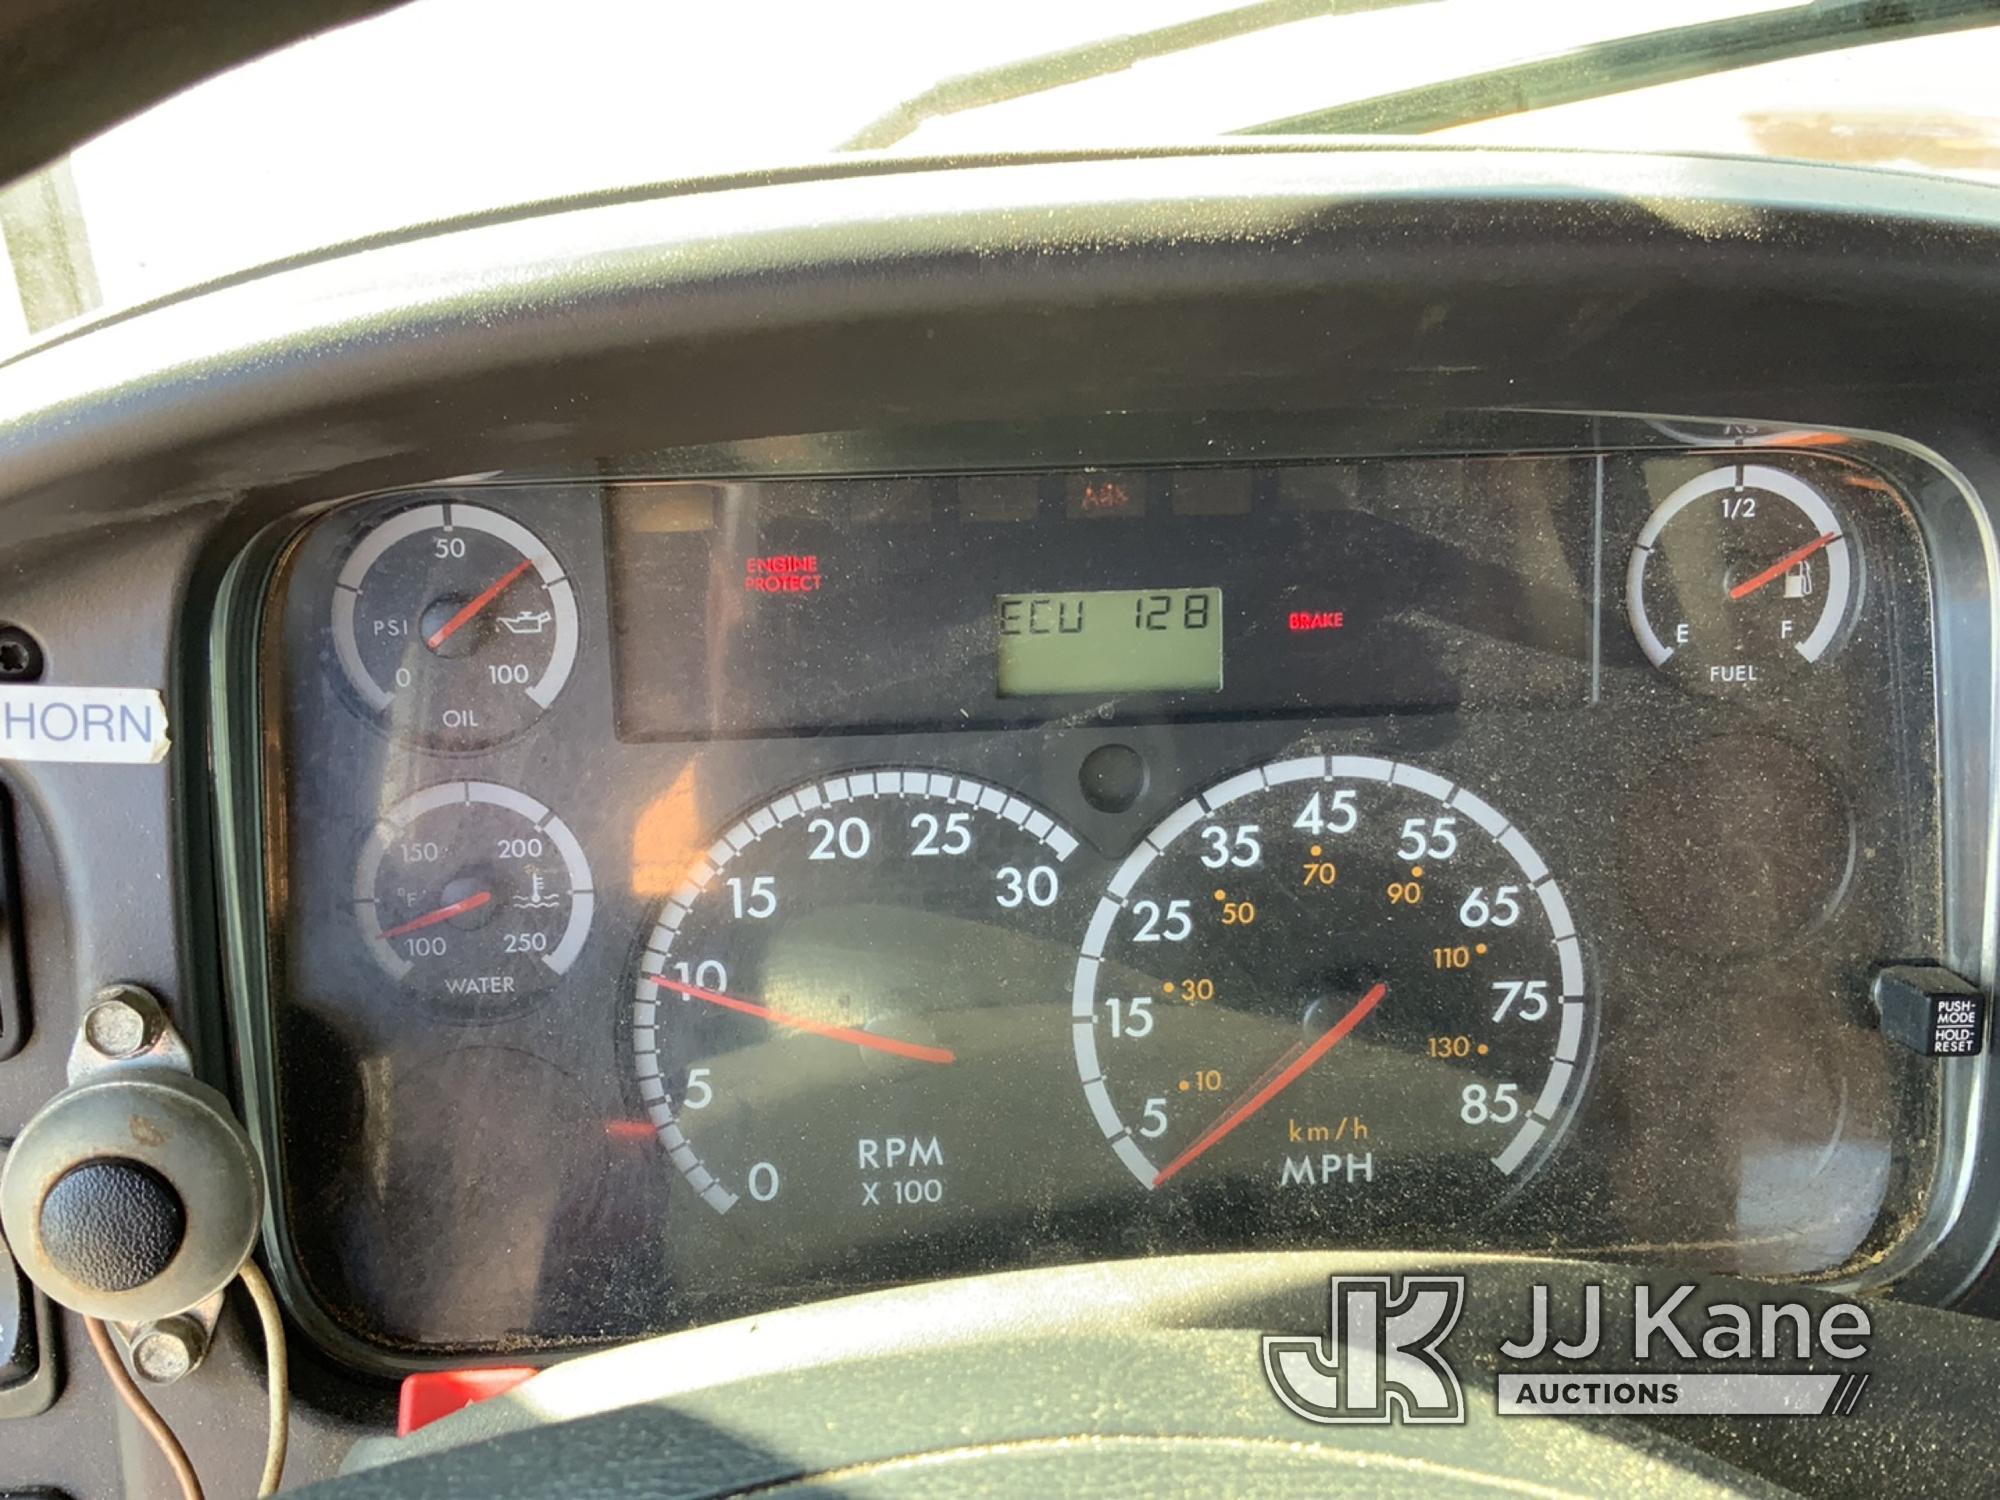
column 442, row 914
column 1260, row 1096
column 1782, row 566
column 452, row 626
column 888, row 1044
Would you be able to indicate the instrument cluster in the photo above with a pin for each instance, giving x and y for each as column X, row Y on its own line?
column 689, row 896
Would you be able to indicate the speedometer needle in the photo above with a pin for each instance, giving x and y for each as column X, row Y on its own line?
column 887, row 1044
column 451, row 627
column 442, row 914
column 1782, row 566
column 1245, row 1108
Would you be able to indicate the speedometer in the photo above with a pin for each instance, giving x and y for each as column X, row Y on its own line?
column 823, row 1019
column 1332, row 982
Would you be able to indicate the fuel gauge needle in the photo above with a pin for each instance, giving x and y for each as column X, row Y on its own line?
column 888, row 1044
column 442, row 914
column 1782, row 566
column 1243, row 1109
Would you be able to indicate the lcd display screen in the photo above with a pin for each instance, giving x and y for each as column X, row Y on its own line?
column 1109, row 641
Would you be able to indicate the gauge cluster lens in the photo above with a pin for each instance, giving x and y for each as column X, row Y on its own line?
column 1332, row 979
column 692, row 897
column 454, row 624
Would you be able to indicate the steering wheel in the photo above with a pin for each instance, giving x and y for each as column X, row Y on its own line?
column 1147, row 1378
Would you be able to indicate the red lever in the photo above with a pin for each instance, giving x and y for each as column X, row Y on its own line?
column 439, row 1393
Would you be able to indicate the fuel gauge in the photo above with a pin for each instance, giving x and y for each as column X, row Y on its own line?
column 1740, row 578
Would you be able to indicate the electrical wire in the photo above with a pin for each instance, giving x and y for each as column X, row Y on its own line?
column 277, row 1373
column 149, row 1418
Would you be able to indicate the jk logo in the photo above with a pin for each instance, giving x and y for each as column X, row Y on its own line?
column 1380, row 1362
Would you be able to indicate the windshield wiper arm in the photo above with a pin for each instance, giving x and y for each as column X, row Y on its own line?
column 1624, row 64
column 1098, row 59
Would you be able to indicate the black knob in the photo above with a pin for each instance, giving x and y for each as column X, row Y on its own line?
column 112, row 1224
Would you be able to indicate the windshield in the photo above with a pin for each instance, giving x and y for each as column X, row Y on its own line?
column 448, row 107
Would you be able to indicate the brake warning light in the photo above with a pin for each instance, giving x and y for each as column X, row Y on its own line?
column 1303, row 620
column 782, row 573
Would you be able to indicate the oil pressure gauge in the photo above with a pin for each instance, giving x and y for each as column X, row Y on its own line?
column 1740, row 578
column 455, row 624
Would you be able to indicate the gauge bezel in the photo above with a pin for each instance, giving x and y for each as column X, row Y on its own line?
column 253, row 665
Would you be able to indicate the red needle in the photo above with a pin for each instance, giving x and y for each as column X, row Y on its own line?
column 1779, row 568
column 1238, row 1113
column 450, row 627
column 818, row 1028
column 442, row 914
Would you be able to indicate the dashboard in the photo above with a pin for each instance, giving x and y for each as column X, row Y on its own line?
column 689, row 897
column 792, row 737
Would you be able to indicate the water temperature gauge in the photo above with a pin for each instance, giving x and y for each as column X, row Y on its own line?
column 455, row 623
column 474, row 894
column 1741, row 577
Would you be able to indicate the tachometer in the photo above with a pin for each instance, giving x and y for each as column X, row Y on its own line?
column 1332, row 983
column 811, row 1000
column 455, row 623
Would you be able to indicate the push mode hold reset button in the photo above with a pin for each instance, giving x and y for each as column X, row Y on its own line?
column 101, row 725
column 1930, row 1010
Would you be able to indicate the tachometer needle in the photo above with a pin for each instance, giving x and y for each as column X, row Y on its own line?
column 442, row 914
column 1285, row 1078
column 889, row 1044
column 451, row 627
column 1782, row 566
